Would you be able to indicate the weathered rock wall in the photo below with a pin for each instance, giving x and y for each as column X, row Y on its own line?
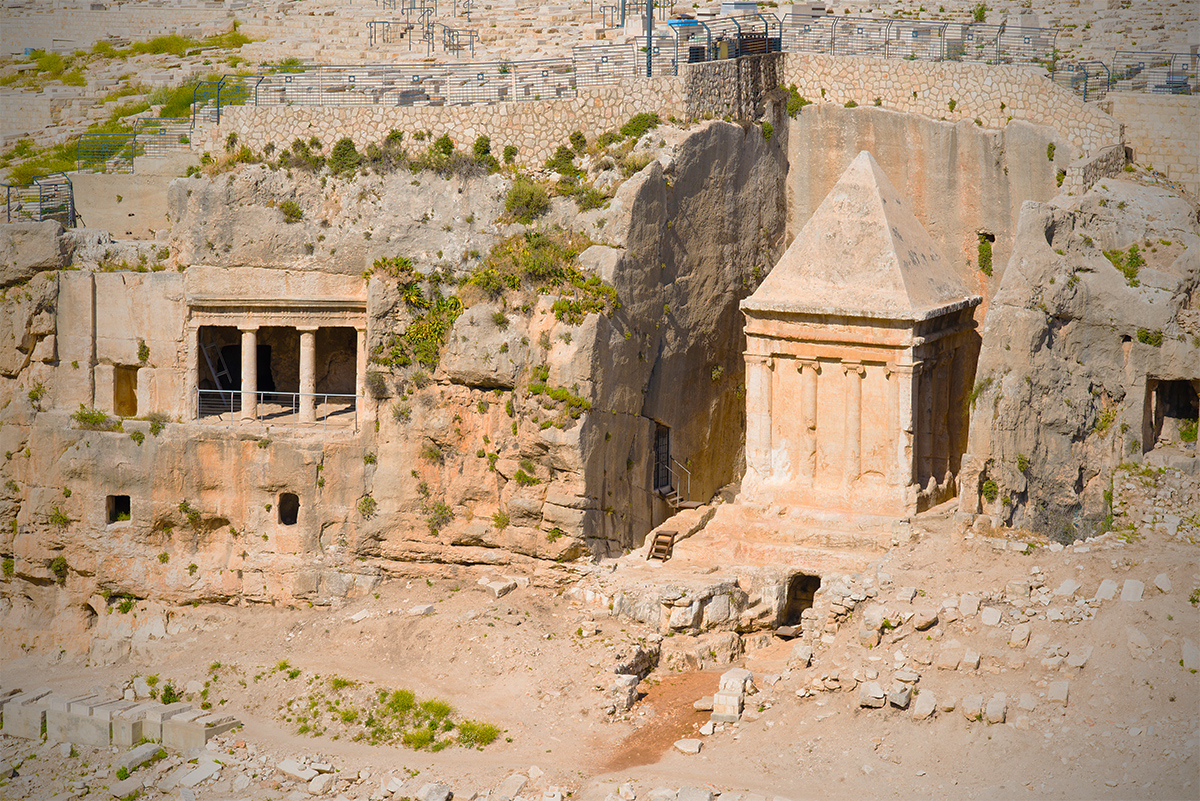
column 962, row 180
column 995, row 94
column 1069, row 346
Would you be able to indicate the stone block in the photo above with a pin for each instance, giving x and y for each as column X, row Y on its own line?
column 1019, row 637
column 736, row 680
column 126, row 787
column 968, row 605
column 183, row 732
column 972, row 707
column 924, row 619
column 997, row 708
column 900, row 696
column 689, row 745
column 153, row 718
column 802, row 654
column 1057, row 692
column 22, row 717
column 134, row 759
column 990, row 616
column 511, row 787
column 1107, row 590
column 871, row 695
column 1132, row 590
column 924, row 706
column 433, row 791
column 77, row 728
column 322, row 783
column 204, row 770
column 727, row 707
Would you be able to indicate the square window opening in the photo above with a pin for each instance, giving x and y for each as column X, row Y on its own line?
column 118, row 508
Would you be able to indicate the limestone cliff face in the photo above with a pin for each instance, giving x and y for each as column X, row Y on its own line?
column 467, row 463
column 1072, row 346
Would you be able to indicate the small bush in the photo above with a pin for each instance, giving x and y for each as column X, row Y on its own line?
column 1148, row 337
column 292, row 213
column 990, row 490
column 500, row 520
column 59, row 518
column 768, row 130
column 524, row 479
column 1050, row 152
column 985, row 255
column 169, row 694
column 366, row 506
column 344, row 158
column 10, row 567
column 432, row 453
column 526, row 201
column 796, row 101
column 440, row 516
column 137, row 436
column 472, row 733
column 952, row 104
column 639, row 124
column 578, row 142
column 1187, row 430
column 510, row 154
column 95, row 420
column 58, row 566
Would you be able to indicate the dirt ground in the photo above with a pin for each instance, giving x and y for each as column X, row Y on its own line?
column 528, row 663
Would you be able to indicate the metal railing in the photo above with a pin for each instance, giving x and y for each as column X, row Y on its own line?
column 918, row 40
column 683, row 488
column 284, row 408
column 49, row 197
column 115, row 152
column 1132, row 71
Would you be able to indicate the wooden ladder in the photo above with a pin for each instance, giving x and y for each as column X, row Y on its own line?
column 661, row 547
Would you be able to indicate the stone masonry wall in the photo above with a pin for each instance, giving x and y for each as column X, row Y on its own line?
column 1162, row 130
column 993, row 94
column 735, row 88
column 536, row 128
column 1085, row 172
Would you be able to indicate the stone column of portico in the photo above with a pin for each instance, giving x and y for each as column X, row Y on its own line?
column 900, row 412
column 941, row 413
column 925, row 421
column 308, row 373
column 808, row 419
column 954, row 409
column 193, row 369
column 852, row 465
column 758, row 415
column 249, row 372
column 360, row 374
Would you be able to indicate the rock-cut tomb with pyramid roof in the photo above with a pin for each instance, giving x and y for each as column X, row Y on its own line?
column 860, row 346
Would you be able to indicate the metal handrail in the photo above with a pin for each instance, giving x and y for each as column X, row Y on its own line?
column 223, row 401
column 688, row 491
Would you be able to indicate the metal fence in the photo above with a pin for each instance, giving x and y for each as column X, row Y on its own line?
column 419, row 84
column 49, row 197
column 918, row 40
column 115, row 151
column 325, row 409
column 1132, row 71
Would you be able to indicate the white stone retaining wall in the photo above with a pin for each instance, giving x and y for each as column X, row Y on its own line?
column 1084, row 173
column 68, row 29
column 1164, row 132
column 993, row 94
column 535, row 127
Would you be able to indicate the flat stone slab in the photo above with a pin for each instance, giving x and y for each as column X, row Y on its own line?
column 134, row 759
column 689, row 745
column 1132, row 590
column 294, row 770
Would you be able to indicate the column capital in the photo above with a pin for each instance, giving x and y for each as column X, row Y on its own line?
column 758, row 358
column 809, row 362
column 899, row 368
column 307, row 329
column 248, row 329
column 854, row 367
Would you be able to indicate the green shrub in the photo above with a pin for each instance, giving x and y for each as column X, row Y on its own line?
column 639, row 124
column 1187, row 430
column 979, row 12
column 440, row 516
column 10, row 567
column 524, row 479
column 366, row 506
column 1128, row 262
column 95, row 420
column 768, row 130
column 1050, row 152
column 137, row 436
column 500, row 520
column 563, row 162
column 796, row 101
column 58, row 566
column 510, row 154
column 578, row 142
column 990, row 490
column 482, row 147
column 344, row 158
column 952, row 104
column 526, row 201
column 292, row 212
column 59, row 518
column 472, row 733
column 1148, row 337
column 169, row 694
column 985, row 255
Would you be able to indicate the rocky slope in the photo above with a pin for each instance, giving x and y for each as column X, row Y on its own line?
column 1099, row 298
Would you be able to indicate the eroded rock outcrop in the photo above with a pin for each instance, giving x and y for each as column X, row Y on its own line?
column 1095, row 322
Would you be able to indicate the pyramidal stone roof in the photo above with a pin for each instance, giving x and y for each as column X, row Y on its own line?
column 863, row 254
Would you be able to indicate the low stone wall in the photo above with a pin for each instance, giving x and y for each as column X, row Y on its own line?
column 1162, row 130
column 535, row 128
column 949, row 90
column 1085, row 172
column 734, row 88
